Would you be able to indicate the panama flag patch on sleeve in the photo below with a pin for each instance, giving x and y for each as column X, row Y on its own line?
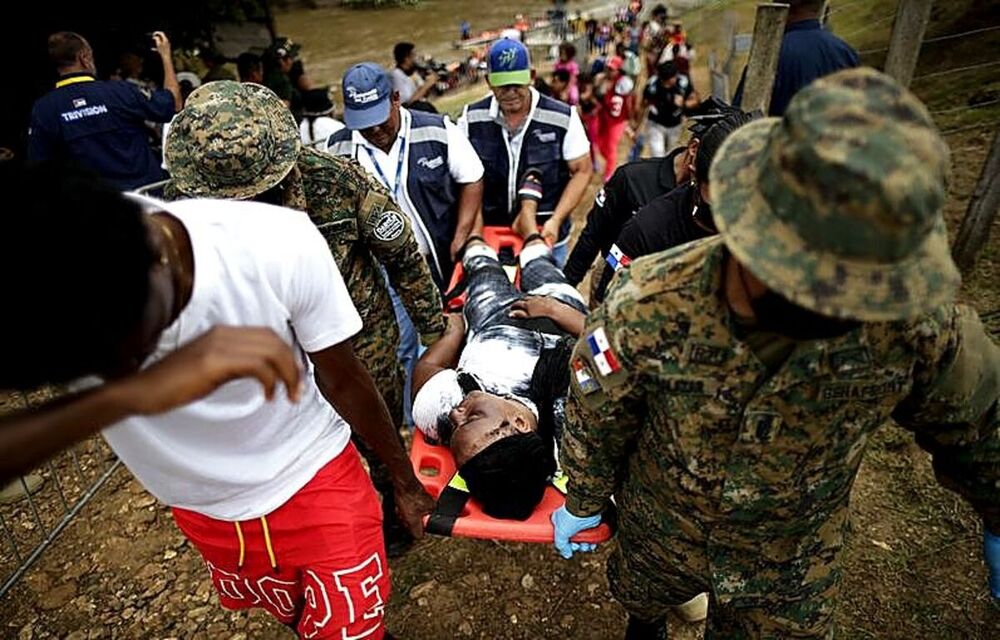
column 617, row 259
column 600, row 349
column 583, row 380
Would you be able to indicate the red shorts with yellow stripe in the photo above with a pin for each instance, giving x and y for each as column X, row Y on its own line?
column 317, row 563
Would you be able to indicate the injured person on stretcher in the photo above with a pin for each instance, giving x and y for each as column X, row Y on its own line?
column 493, row 388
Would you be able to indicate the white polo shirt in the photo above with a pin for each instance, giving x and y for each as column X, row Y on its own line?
column 233, row 455
column 575, row 144
column 464, row 166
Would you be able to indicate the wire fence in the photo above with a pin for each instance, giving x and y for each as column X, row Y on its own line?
column 950, row 36
column 979, row 125
column 971, row 107
column 37, row 507
column 948, row 72
column 870, row 26
column 951, row 112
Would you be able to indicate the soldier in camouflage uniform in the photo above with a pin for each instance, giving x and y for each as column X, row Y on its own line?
column 239, row 141
column 726, row 390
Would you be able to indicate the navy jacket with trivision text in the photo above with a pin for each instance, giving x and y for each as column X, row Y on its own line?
column 541, row 150
column 100, row 125
column 429, row 185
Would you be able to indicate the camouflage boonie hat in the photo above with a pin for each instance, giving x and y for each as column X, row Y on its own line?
column 837, row 206
column 231, row 141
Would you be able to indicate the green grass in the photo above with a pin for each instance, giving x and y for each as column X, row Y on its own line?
column 948, row 94
column 867, row 26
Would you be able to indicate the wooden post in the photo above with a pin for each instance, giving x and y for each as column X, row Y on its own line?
column 983, row 206
column 768, row 29
column 907, row 33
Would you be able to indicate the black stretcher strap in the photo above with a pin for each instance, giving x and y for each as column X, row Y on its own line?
column 449, row 508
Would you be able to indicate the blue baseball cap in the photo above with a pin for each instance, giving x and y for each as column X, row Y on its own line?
column 508, row 63
column 367, row 96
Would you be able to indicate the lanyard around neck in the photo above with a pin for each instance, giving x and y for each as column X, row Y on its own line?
column 399, row 168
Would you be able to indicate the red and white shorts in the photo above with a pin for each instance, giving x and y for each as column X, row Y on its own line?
column 316, row 563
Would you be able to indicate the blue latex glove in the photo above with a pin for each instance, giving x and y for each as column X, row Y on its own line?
column 991, row 553
column 566, row 526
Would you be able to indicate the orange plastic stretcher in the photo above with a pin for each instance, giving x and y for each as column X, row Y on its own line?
column 435, row 468
column 457, row 513
column 499, row 238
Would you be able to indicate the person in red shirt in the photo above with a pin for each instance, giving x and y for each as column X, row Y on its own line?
column 616, row 110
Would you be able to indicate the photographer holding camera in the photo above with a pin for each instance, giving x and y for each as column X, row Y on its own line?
column 100, row 124
column 412, row 96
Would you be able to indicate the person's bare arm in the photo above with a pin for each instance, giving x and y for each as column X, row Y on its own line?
column 692, row 100
column 580, row 170
column 347, row 385
column 424, row 89
column 169, row 75
column 441, row 355
column 470, row 213
column 640, row 115
column 222, row 354
column 568, row 318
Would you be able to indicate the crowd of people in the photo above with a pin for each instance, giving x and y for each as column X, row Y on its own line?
column 636, row 86
column 768, row 294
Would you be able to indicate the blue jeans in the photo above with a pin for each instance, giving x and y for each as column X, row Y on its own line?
column 560, row 250
column 409, row 350
column 491, row 293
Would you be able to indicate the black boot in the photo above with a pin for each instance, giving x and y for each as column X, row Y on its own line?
column 639, row 630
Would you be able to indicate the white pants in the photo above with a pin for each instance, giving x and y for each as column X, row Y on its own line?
column 661, row 139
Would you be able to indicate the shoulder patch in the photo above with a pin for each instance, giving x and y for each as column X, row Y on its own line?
column 586, row 382
column 388, row 226
column 600, row 198
column 600, row 350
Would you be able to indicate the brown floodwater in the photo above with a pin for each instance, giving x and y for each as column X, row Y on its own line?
column 334, row 38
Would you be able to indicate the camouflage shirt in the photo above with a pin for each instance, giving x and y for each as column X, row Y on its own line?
column 667, row 405
column 365, row 229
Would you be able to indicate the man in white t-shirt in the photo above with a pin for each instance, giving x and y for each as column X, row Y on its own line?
column 176, row 308
column 410, row 93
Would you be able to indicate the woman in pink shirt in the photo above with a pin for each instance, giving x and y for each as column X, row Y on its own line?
column 567, row 61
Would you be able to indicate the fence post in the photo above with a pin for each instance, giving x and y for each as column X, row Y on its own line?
column 907, row 33
column 983, row 205
column 768, row 29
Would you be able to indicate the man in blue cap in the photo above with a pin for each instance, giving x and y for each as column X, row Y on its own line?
column 427, row 164
column 516, row 130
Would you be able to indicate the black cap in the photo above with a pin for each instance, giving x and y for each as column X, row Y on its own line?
column 316, row 102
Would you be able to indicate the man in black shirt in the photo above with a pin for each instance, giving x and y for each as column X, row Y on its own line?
column 673, row 219
column 632, row 186
column 665, row 100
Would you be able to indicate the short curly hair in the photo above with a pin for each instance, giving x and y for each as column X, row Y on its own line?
column 75, row 257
